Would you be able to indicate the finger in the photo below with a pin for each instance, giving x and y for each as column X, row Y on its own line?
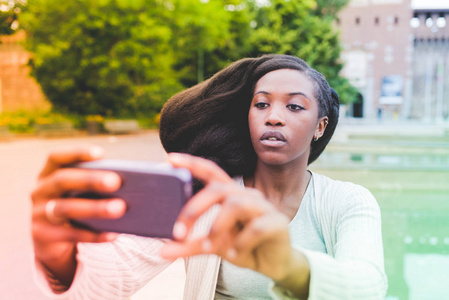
column 270, row 228
column 235, row 212
column 63, row 157
column 174, row 250
column 218, row 193
column 239, row 208
column 203, row 245
column 196, row 206
column 203, row 169
column 83, row 208
column 47, row 233
column 65, row 180
column 260, row 247
column 222, row 245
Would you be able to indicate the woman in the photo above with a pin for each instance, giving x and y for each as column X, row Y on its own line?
column 278, row 231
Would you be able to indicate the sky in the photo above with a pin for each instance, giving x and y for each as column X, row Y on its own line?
column 430, row 4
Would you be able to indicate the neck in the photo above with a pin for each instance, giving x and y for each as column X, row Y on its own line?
column 283, row 186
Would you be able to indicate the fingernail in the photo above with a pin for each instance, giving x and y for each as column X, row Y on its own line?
column 179, row 231
column 115, row 207
column 110, row 181
column 111, row 236
column 175, row 157
column 96, row 152
column 231, row 253
column 206, row 246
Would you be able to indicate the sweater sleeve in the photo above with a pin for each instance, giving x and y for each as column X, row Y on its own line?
column 114, row 270
column 353, row 267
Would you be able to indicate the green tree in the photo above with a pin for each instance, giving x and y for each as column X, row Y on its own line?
column 206, row 34
column 114, row 57
column 296, row 27
column 109, row 57
column 124, row 57
column 330, row 8
column 9, row 13
column 241, row 15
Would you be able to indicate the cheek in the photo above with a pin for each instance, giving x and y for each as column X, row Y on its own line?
column 252, row 123
column 303, row 131
column 252, row 131
column 254, row 126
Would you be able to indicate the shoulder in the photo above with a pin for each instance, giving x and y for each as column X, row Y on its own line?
column 342, row 195
column 330, row 185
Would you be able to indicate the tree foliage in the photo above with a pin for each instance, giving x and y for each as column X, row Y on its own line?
column 297, row 27
column 124, row 57
column 114, row 57
column 9, row 14
column 199, row 27
column 102, row 57
column 330, row 8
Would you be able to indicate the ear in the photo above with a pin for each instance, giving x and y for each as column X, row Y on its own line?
column 320, row 128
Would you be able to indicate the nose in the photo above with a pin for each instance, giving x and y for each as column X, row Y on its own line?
column 275, row 117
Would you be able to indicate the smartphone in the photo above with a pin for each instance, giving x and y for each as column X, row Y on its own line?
column 154, row 194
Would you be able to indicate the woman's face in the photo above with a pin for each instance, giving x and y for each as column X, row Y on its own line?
column 283, row 117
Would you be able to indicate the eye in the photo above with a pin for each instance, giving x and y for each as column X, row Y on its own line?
column 261, row 105
column 295, row 107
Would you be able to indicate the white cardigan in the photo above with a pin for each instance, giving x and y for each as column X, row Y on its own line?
column 347, row 216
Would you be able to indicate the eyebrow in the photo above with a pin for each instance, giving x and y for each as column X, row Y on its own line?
column 290, row 94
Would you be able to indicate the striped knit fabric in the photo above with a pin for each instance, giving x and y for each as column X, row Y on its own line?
column 350, row 222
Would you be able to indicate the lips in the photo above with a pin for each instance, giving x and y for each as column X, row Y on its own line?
column 273, row 136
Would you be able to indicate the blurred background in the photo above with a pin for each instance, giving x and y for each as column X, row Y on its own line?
column 78, row 71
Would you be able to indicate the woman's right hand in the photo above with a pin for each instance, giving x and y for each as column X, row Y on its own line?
column 53, row 237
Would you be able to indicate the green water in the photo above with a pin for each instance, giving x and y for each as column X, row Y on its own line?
column 413, row 195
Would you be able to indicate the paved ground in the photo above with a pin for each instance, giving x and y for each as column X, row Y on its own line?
column 20, row 162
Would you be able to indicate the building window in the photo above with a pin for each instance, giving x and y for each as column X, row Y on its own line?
column 414, row 22
column 396, row 20
column 441, row 22
column 357, row 20
column 376, row 20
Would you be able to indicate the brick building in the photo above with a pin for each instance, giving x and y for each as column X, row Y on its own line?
column 17, row 89
column 396, row 55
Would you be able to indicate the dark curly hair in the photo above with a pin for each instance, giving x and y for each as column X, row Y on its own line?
column 210, row 119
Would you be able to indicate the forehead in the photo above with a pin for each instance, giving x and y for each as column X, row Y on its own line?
column 285, row 81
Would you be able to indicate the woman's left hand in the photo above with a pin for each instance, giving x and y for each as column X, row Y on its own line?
column 248, row 231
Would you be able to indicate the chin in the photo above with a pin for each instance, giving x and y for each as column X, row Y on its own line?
column 281, row 159
column 274, row 159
